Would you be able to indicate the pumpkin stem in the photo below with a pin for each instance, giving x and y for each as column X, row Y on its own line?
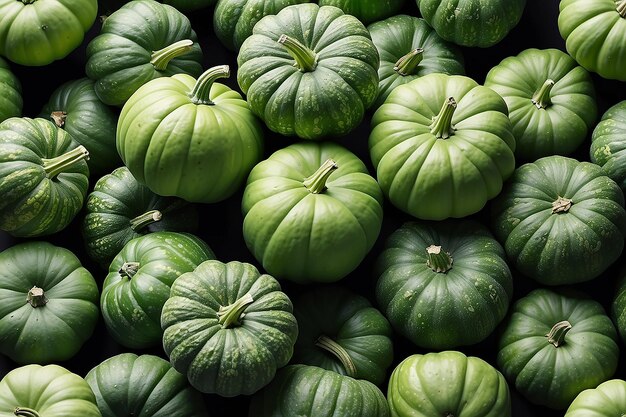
column 161, row 58
column 329, row 345
column 201, row 93
column 306, row 59
column 541, row 98
column 231, row 315
column 561, row 205
column 438, row 260
column 409, row 62
column 26, row 412
column 57, row 165
column 316, row 183
column 558, row 332
column 58, row 117
column 36, row 297
column 145, row 219
column 129, row 269
column 621, row 8
column 442, row 126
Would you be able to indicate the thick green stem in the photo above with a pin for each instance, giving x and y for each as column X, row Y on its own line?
column 201, row 92
column 36, row 297
column 145, row 219
column 316, row 183
column 437, row 259
column 621, row 8
column 161, row 58
column 334, row 348
column 541, row 98
column 57, row 165
column 442, row 126
column 231, row 315
column 407, row 65
column 25, row 412
column 561, row 205
column 558, row 332
column 306, row 59
column 129, row 269
column 59, row 117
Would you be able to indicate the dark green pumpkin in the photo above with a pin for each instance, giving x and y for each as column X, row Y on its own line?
column 342, row 332
column 143, row 386
column 608, row 144
column 618, row 308
column 366, row 11
column 443, row 285
column 10, row 93
column 139, row 281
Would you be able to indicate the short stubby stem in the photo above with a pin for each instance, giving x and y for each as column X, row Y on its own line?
column 306, row 59
column 57, row 165
column 201, row 92
column 231, row 315
column 36, row 297
column 129, row 269
column 335, row 349
column 442, row 126
column 438, row 260
column 25, row 412
column 561, row 205
column 407, row 65
column 621, row 8
column 59, row 117
column 316, row 183
column 145, row 219
column 541, row 98
column 556, row 336
column 161, row 58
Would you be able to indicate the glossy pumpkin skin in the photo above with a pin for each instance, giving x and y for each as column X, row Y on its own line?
column 342, row 332
column 10, row 93
column 366, row 11
column 315, row 233
column 618, row 308
column 120, row 209
column 303, row 390
column 146, row 386
column 38, row 32
column 228, row 328
column 560, row 221
column 553, row 376
column 396, row 37
column 481, row 23
column 51, row 391
column 139, row 281
column 443, row 301
column 328, row 96
column 608, row 144
column 429, row 169
column 43, row 177
column 594, row 32
column 50, row 327
column 606, row 400
column 179, row 144
column 233, row 20
column 552, row 121
column 473, row 388
column 119, row 58
column 75, row 107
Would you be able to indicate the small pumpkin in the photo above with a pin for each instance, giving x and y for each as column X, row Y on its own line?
column 608, row 144
column 10, row 93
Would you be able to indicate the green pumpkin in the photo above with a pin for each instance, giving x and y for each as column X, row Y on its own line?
column 38, row 32
column 551, row 101
column 409, row 48
column 555, row 345
column 76, row 108
column 473, row 388
column 442, row 146
column 366, row 11
column 49, row 303
column 606, row 400
column 45, row 391
column 146, row 386
column 310, row 80
column 444, row 284
column 196, row 140
column 139, row 281
column 311, row 212
column 43, row 177
column 190, row 5
column 342, row 332
column 120, row 209
column 228, row 328
column 10, row 93
column 608, row 144
column 561, row 221
column 139, row 42
column 233, row 20
column 481, row 23
column 303, row 390
column 594, row 33
column 618, row 308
